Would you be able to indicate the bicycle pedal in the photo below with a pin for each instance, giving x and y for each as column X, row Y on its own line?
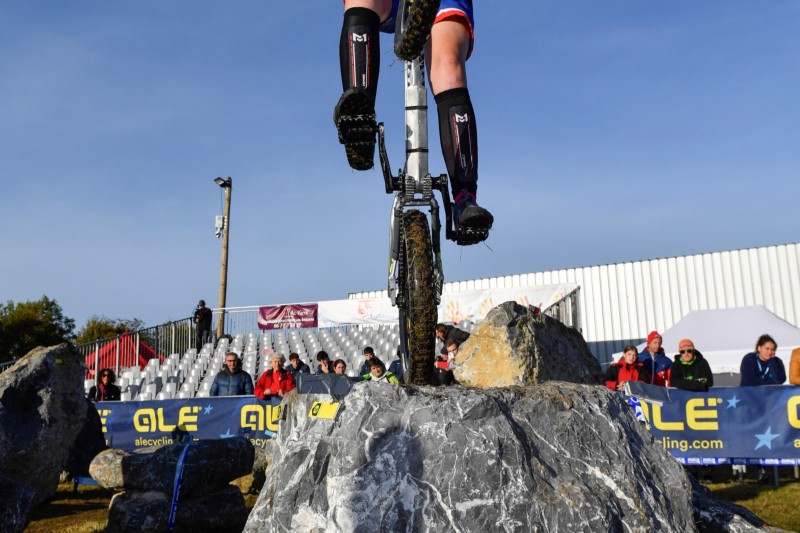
column 357, row 129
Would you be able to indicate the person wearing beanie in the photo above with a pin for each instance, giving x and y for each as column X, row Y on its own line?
column 690, row 371
column 655, row 361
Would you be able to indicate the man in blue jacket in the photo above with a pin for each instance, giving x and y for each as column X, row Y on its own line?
column 232, row 380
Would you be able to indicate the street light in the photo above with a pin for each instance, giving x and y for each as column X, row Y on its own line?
column 226, row 184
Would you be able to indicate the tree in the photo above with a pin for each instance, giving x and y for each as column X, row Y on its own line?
column 26, row 325
column 100, row 327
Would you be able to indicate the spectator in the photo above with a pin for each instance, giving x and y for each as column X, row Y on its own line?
column 369, row 353
column 202, row 320
column 444, row 364
column 324, row 365
column 377, row 372
column 446, row 333
column 762, row 367
column 396, row 368
column 628, row 368
column 231, row 380
column 105, row 390
column 340, row 367
column 690, row 370
column 274, row 382
column 794, row 367
column 296, row 366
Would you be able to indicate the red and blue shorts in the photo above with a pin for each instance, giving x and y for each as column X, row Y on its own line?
column 455, row 10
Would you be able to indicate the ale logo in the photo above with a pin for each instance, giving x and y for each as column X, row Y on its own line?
column 326, row 410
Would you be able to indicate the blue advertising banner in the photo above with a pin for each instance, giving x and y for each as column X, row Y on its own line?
column 726, row 425
column 132, row 425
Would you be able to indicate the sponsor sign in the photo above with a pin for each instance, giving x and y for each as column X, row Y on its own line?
column 288, row 316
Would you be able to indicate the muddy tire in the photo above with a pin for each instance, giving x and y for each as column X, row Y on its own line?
column 418, row 314
column 414, row 22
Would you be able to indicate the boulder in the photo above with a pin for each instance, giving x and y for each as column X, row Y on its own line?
column 550, row 458
column 42, row 410
column 222, row 510
column 515, row 346
column 209, row 465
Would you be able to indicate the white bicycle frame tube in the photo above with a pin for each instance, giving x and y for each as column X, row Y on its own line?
column 416, row 167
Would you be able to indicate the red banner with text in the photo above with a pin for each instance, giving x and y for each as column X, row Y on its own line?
column 289, row 316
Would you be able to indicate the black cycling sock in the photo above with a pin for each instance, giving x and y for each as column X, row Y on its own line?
column 459, row 137
column 359, row 50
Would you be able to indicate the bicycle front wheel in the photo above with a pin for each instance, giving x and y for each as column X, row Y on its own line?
column 414, row 22
column 418, row 313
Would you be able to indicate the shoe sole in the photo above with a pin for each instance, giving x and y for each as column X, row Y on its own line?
column 354, row 117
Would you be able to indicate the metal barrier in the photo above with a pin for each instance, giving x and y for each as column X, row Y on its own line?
column 124, row 351
column 567, row 310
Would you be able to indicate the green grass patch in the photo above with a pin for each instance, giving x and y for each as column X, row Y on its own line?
column 777, row 506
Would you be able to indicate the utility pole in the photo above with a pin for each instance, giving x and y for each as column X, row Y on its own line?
column 226, row 184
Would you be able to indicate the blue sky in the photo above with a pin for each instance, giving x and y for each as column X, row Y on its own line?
column 609, row 131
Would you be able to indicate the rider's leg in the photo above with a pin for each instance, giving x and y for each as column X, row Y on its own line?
column 359, row 61
column 449, row 47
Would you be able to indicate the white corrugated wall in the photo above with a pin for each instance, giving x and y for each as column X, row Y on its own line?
column 621, row 303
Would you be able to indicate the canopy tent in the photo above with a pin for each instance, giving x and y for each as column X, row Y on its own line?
column 107, row 354
column 724, row 336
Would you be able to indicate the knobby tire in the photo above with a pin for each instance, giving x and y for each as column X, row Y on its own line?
column 420, row 314
column 414, row 21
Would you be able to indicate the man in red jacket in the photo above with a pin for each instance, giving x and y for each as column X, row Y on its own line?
column 274, row 382
column 628, row 368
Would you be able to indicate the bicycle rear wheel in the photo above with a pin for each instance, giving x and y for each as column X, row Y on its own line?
column 414, row 22
column 418, row 311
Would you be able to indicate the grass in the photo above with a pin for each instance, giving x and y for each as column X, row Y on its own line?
column 83, row 512
column 777, row 506
column 87, row 511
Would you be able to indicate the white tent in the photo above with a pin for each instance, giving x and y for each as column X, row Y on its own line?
column 724, row 336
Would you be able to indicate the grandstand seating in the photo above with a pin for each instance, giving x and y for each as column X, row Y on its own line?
column 190, row 375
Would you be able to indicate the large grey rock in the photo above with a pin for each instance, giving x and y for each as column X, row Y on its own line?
column 557, row 457
column 515, row 346
column 42, row 409
column 209, row 465
column 718, row 516
column 223, row 510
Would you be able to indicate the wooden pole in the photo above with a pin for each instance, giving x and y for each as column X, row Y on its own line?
column 223, row 274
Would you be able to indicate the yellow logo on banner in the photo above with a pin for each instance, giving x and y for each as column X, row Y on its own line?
column 324, row 410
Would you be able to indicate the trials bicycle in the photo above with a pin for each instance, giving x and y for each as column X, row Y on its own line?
column 416, row 276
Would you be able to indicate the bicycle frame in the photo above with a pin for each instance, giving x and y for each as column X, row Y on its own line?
column 413, row 185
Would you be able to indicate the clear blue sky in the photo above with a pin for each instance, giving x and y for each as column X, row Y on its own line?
column 609, row 131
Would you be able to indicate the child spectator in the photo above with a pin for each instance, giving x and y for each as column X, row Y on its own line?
column 340, row 367
column 296, row 366
column 690, row 370
column 762, row 367
column 274, row 382
column 377, row 372
column 369, row 353
column 105, row 390
column 628, row 368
